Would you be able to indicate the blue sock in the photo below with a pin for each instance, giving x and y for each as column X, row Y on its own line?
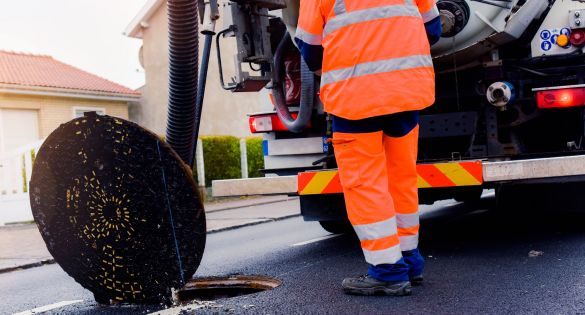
column 390, row 272
column 415, row 262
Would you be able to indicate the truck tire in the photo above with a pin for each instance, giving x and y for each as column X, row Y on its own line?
column 337, row 227
column 118, row 210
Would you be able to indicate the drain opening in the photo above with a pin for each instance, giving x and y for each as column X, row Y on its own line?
column 215, row 288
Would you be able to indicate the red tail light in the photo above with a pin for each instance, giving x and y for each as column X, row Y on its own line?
column 561, row 98
column 267, row 123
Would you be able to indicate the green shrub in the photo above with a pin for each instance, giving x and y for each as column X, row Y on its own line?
column 255, row 156
column 221, row 156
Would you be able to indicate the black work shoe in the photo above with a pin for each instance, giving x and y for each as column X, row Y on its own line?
column 366, row 285
column 416, row 280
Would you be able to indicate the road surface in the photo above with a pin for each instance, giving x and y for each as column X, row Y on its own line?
column 477, row 262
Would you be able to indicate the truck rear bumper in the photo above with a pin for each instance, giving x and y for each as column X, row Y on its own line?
column 453, row 174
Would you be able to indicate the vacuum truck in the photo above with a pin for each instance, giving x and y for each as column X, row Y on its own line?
column 117, row 205
column 509, row 105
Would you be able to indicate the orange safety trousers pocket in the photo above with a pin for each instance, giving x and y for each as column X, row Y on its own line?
column 360, row 156
column 347, row 161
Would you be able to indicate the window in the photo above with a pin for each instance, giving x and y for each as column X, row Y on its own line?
column 79, row 111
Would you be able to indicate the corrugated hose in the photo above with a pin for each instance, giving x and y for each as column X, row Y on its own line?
column 307, row 101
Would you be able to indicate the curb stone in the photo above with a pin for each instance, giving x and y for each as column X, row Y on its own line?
column 259, row 203
column 267, row 220
column 28, row 266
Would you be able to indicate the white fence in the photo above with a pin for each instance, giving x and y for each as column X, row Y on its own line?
column 15, row 171
column 200, row 164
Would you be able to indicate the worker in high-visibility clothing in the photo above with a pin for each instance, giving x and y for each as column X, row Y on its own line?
column 376, row 74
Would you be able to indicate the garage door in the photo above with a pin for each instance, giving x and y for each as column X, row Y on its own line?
column 18, row 127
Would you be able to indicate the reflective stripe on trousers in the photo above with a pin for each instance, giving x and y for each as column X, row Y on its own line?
column 364, row 159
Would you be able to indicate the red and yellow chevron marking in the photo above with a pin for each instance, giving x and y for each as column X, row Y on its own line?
column 429, row 176
column 450, row 174
column 317, row 183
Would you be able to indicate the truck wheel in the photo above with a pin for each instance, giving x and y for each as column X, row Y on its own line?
column 337, row 227
column 118, row 210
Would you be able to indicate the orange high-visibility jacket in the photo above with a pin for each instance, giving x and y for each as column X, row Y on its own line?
column 376, row 58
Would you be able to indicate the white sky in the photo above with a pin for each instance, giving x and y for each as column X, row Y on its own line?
column 86, row 34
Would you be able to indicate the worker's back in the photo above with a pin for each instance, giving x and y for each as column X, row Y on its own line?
column 376, row 57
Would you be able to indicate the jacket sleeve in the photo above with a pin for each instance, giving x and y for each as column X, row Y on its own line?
column 434, row 30
column 428, row 9
column 310, row 33
column 430, row 14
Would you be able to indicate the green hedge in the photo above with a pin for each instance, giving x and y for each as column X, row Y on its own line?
column 255, row 157
column 221, row 155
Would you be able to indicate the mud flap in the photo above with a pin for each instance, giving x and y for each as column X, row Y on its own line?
column 118, row 209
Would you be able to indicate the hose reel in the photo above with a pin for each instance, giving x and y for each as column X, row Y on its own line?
column 308, row 90
column 455, row 15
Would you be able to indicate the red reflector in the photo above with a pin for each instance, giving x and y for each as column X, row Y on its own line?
column 561, row 98
column 267, row 123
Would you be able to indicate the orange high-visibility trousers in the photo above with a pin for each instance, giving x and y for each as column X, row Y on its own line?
column 379, row 180
column 401, row 156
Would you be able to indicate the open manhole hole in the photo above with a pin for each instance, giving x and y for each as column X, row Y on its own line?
column 215, row 288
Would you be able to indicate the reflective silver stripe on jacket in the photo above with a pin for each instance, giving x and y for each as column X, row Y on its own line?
column 385, row 256
column 311, row 39
column 339, row 7
column 408, row 242
column 407, row 220
column 374, row 67
column 370, row 14
column 376, row 230
column 431, row 14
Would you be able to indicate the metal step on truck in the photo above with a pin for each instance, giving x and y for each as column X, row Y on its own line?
column 509, row 103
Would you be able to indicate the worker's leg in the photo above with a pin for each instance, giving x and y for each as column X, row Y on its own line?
column 401, row 146
column 362, row 169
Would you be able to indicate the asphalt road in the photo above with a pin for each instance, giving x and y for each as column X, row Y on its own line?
column 477, row 262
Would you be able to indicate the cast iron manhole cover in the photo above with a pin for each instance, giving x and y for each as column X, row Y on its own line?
column 118, row 209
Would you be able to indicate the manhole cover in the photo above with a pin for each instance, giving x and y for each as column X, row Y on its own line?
column 214, row 288
column 115, row 206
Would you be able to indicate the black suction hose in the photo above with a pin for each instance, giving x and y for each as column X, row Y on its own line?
column 183, row 68
column 307, row 90
column 202, row 83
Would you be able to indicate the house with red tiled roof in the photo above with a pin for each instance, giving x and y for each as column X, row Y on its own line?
column 38, row 93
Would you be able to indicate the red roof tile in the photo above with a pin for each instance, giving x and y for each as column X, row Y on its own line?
column 44, row 71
